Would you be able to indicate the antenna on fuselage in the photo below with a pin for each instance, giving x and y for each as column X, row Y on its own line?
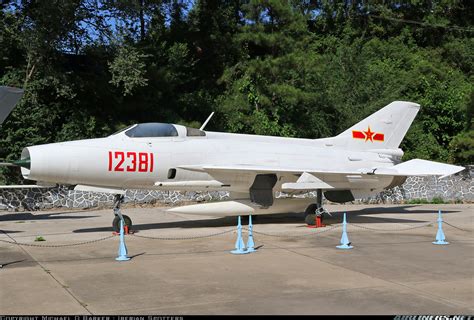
column 207, row 120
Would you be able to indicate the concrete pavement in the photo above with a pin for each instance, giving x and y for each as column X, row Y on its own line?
column 393, row 269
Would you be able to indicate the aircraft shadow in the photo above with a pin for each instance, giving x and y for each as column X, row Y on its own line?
column 355, row 216
column 398, row 209
column 9, row 231
column 3, row 265
column 28, row 216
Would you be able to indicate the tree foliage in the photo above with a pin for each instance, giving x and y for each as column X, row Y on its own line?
column 289, row 68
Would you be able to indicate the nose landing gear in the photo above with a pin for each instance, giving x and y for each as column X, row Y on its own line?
column 119, row 216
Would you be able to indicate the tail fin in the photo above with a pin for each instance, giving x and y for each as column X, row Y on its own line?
column 9, row 96
column 383, row 129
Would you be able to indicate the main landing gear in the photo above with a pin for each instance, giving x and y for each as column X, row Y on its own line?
column 314, row 214
column 118, row 216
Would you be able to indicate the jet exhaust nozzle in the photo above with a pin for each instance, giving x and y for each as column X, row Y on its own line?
column 24, row 163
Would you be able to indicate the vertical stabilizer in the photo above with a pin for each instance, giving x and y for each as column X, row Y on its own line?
column 383, row 129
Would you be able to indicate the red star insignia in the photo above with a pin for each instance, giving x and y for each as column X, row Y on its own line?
column 368, row 135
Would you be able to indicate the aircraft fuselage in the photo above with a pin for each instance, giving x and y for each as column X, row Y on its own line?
column 120, row 161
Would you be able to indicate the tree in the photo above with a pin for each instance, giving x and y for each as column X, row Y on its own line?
column 289, row 68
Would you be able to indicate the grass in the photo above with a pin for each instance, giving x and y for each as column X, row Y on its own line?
column 435, row 200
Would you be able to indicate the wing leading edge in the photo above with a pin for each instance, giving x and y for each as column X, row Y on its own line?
column 260, row 169
column 310, row 178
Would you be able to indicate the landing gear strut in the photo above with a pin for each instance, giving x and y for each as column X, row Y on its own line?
column 118, row 216
column 314, row 214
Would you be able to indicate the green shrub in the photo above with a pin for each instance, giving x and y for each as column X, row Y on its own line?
column 437, row 200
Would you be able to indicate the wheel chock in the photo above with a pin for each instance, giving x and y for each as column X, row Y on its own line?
column 318, row 222
column 250, row 242
column 239, row 244
column 125, row 230
column 440, row 238
column 345, row 243
column 122, row 251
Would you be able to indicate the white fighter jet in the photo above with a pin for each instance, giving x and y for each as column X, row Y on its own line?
column 361, row 161
column 9, row 97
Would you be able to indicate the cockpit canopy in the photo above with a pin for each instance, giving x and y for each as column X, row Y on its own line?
column 156, row 129
column 152, row 129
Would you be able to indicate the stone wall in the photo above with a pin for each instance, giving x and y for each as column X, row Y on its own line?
column 62, row 197
column 457, row 188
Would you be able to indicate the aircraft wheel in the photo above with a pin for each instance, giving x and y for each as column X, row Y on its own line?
column 116, row 223
column 310, row 215
column 310, row 219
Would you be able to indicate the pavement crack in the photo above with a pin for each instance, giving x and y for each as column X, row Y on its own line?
column 48, row 272
column 424, row 293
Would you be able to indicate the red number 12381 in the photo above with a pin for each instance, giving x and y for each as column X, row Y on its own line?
column 130, row 161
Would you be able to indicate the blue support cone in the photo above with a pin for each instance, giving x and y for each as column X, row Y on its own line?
column 440, row 238
column 239, row 244
column 250, row 242
column 122, row 251
column 345, row 243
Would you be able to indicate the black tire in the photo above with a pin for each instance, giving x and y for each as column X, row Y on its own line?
column 310, row 219
column 116, row 223
column 310, row 215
